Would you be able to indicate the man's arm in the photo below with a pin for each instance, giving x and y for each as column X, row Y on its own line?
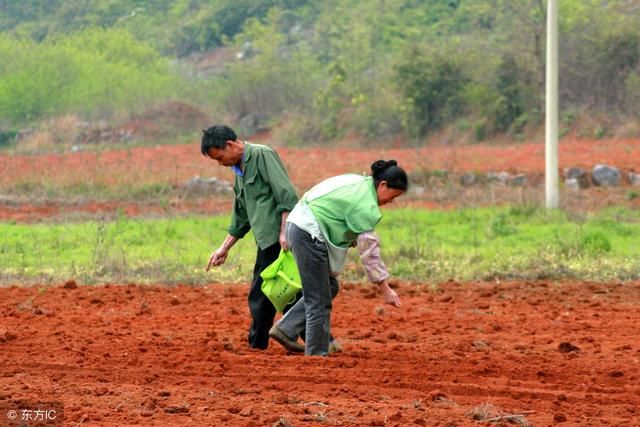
column 276, row 175
column 239, row 220
column 219, row 256
column 272, row 170
column 238, row 228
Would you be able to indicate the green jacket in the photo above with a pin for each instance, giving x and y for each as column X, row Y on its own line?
column 261, row 195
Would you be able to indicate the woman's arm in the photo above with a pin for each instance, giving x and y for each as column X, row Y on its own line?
column 369, row 248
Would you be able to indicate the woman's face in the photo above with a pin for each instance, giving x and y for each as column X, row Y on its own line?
column 387, row 194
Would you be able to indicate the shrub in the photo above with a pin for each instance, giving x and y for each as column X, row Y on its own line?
column 595, row 242
column 433, row 85
column 94, row 71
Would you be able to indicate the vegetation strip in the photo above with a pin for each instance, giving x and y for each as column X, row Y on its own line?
column 427, row 246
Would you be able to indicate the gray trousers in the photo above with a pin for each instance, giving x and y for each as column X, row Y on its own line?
column 311, row 315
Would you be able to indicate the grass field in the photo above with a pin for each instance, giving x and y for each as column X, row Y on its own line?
column 427, row 246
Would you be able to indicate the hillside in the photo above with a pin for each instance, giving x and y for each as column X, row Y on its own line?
column 321, row 71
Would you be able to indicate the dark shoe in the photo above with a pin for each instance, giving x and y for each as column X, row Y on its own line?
column 285, row 341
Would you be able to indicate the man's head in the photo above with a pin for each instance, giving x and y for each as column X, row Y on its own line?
column 221, row 143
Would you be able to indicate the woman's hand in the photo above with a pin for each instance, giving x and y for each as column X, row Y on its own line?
column 390, row 296
column 282, row 239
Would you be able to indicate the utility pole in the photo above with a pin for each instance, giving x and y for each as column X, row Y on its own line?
column 551, row 110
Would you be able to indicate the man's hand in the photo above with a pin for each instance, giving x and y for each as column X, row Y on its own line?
column 217, row 258
column 390, row 296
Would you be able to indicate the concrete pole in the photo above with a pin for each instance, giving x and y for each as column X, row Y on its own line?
column 551, row 116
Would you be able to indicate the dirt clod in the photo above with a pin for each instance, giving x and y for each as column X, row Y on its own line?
column 70, row 284
column 567, row 347
column 559, row 418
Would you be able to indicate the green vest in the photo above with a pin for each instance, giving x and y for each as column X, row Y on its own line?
column 344, row 206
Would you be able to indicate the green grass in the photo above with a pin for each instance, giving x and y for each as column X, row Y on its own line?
column 427, row 246
column 139, row 192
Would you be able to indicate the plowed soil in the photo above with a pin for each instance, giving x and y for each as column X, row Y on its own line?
column 307, row 166
column 543, row 353
column 174, row 165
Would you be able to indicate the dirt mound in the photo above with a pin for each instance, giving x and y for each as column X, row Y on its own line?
column 168, row 119
column 156, row 355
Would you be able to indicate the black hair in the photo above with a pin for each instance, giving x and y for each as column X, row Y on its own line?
column 217, row 137
column 396, row 177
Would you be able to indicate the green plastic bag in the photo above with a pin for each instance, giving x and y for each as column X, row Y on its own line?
column 281, row 281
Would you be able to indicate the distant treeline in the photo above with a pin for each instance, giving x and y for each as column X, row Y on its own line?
column 373, row 67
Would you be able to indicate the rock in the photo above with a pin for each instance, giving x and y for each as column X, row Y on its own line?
column 147, row 412
column 634, row 179
column 605, row 176
column 255, row 122
column 247, row 51
column 468, row 179
column 282, row 422
column 246, row 412
column 572, row 184
column 437, row 395
column 211, row 185
column 504, row 178
column 519, row 180
column 499, row 177
column 416, row 190
column 574, row 172
column 396, row 417
column 177, row 409
column 445, row 298
column 101, row 391
column 576, row 178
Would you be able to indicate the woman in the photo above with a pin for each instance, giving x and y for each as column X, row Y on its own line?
column 330, row 218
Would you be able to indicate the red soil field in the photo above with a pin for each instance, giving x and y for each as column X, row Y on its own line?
column 32, row 212
column 563, row 353
column 176, row 164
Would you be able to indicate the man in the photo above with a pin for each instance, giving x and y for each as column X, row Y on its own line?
column 264, row 196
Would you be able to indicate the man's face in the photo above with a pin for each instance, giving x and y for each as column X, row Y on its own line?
column 230, row 155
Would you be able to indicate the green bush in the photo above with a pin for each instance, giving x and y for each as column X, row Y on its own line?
column 94, row 71
column 595, row 242
column 434, row 86
column 7, row 137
